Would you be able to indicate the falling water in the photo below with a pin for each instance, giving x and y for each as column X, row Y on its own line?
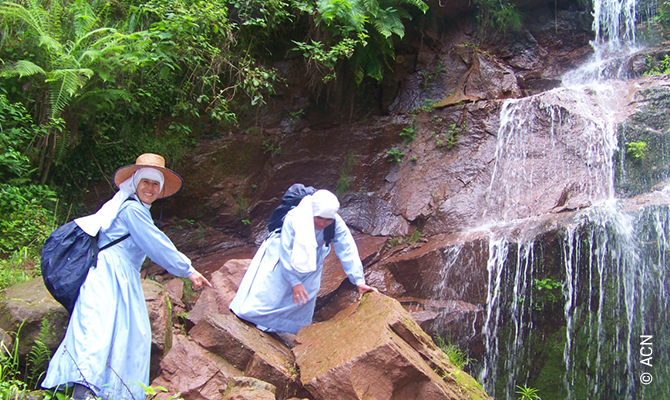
column 590, row 322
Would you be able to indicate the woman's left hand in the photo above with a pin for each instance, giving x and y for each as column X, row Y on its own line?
column 198, row 280
column 362, row 289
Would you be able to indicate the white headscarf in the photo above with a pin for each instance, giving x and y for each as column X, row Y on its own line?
column 103, row 218
column 148, row 173
column 321, row 204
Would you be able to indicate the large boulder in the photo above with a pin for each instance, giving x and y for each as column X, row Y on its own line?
column 216, row 299
column 255, row 353
column 160, row 314
column 29, row 311
column 194, row 372
column 375, row 350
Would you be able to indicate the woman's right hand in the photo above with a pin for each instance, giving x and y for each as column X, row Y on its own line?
column 300, row 295
column 198, row 280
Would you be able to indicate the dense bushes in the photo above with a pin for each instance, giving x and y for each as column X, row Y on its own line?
column 26, row 209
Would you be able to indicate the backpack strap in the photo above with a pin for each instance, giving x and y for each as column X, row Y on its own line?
column 329, row 233
column 116, row 241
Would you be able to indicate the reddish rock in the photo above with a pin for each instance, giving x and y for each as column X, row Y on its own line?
column 249, row 389
column 194, row 372
column 255, row 353
column 160, row 315
column 175, row 290
column 375, row 350
column 215, row 300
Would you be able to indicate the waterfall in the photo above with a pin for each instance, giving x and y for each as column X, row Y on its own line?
column 614, row 23
column 590, row 322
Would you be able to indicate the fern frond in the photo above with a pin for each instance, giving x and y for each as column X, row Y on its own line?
column 62, row 142
column 420, row 4
column 21, row 68
column 36, row 17
column 64, row 85
column 389, row 23
column 84, row 17
column 37, row 361
column 39, row 356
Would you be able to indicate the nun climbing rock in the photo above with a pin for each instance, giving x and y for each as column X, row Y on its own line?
column 278, row 291
column 107, row 346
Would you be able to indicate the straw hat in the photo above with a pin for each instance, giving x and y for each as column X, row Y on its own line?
column 173, row 182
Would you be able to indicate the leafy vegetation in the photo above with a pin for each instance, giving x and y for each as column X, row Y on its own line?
column 637, row 150
column 497, row 17
column 658, row 67
column 455, row 354
column 527, row 393
column 26, row 209
column 394, row 155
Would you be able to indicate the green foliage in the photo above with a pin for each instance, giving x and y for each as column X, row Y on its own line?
column 394, row 155
column 548, row 294
column 456, row 355
column 152, row 391
column 408, row 134
column 451, row 138
column 9, row 366
column 358, row 31
column 497, row 17
column 427, row 77
column 17, row 268
column 271, row 146
column 637, row 150
column 38, row 358
column 24, row 217
column 17, row 131
column 411, row 239
column 343, row 182
column 68, row 48
column 663, row 14
column 658, row 67
column 67, row 58
column 527, row 393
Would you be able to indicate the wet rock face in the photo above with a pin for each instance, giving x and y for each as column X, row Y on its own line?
column 643, row 159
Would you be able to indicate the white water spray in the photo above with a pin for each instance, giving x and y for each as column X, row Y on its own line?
column 614, row 263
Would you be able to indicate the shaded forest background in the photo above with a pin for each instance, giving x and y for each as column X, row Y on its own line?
column 86, row 86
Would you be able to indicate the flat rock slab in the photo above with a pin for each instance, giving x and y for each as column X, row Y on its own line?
column 194, row 372
column 375, row 350
column 255, row 353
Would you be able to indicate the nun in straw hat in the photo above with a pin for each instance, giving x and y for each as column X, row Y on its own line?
column 278, row 292
column 107, row 345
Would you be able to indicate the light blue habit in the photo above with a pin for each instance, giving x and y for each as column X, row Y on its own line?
column 107, row 346
column 265, row 295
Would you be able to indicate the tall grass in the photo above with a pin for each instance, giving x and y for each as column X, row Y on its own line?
column 456, row 355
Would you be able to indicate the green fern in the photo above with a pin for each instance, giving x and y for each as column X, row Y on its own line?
column 369, row 25
column 39, row 356
column 21, row 68
column 65, row 83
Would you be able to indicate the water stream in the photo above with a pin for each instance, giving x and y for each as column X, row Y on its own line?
column 589, row 320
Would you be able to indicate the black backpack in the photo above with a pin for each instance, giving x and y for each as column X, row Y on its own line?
column 290, row 200
column 67, row 255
